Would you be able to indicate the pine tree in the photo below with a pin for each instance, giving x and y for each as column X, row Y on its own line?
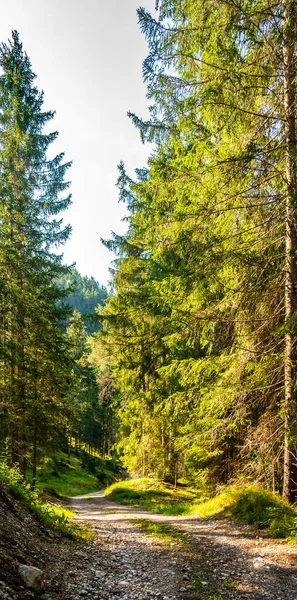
column 290, row 405
column 205, row 253
column 90, row 423
column 31, row 192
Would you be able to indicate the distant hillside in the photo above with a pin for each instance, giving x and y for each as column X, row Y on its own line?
column 87, row 294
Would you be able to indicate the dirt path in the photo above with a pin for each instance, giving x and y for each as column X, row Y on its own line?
column 222, row 559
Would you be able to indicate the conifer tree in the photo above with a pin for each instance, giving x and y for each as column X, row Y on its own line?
column 32, row 186
column 212, row 230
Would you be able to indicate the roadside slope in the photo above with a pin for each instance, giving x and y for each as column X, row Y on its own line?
column 22, row 541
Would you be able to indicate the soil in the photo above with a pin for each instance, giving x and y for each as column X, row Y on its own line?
column 216, row 558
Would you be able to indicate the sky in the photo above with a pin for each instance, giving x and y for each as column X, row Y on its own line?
column 87, row 55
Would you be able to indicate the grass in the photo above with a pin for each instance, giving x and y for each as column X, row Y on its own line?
column 153, row 495
column 249, row 503
column 61, row 476
column 161, row 531
column 200, row 586
column 66, row 479
column 52, row 516
column 255, row 506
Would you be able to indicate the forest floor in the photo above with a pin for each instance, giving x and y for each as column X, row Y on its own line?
column 210, row 559
column 187, row 558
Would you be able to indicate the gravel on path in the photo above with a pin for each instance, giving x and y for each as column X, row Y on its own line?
column 218, row 559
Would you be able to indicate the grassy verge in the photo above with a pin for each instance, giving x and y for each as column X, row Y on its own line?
column 153, row 495
column 61, row 476
column 52, row 516
column 255, row 506
column 249, row 503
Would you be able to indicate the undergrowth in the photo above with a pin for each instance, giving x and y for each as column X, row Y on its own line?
column 253, row 505
column 52, row 516
column 250, row 503
column 153, row 495
column 62, row 476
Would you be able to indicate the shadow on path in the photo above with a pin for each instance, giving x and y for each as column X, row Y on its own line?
column 228, row 559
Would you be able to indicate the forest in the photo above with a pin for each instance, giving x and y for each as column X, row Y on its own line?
column 201, row 329
column 49, row 392
column 185, row 369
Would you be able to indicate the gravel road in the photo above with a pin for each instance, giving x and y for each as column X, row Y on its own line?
column 217, row 559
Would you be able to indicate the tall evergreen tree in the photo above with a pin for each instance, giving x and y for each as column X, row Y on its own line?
column 212, row 232
column 90, row 392
column 32, row 186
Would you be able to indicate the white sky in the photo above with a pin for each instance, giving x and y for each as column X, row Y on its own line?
column 87, row 55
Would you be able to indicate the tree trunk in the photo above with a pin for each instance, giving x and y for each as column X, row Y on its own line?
column 69, row 439
column 289, row 483
column 34, row 458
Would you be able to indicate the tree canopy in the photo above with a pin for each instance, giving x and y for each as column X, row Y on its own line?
column 201, row 328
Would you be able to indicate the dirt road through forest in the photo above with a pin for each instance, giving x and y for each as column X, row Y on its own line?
column 215, row 559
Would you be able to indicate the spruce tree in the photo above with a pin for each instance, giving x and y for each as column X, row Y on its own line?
column 212, row 232
column 32, row 190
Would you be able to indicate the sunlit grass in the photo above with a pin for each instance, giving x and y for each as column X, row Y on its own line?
column 73, row 482
column 69, row 479
column 52, row 516
column 253, row 505
column 249, row 503
column 161, row 531
column 153, row 495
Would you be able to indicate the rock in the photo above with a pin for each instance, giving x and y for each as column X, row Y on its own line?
column 32, row 577
column 258, row 563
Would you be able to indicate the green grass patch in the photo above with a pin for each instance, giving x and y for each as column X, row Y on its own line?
column 161, row 531
column 66, row 480
column 199, row 586
column 52, row 516
column 153, row 495
column 255, row 506
column 61, row 476
column 249, row 503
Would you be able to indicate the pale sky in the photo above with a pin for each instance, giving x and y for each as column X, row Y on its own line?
column 87, row 55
